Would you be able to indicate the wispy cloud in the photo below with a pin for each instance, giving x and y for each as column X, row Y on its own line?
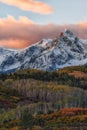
column 30, row 5
column 24, row 32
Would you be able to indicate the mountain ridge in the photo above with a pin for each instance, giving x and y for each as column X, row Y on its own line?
column 65, row 50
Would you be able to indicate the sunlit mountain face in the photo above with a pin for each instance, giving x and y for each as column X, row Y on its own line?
column 42, row 34
column 48, row 54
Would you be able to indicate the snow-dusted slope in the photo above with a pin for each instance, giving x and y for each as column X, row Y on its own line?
column 66, row 50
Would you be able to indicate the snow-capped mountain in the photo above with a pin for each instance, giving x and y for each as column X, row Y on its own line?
column 65, row 50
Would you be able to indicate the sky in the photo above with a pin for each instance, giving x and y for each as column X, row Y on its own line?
column 24, row 22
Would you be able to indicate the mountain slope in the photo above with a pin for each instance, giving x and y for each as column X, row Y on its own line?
column 66, row 50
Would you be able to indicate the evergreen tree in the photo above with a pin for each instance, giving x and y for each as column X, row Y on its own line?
column 27, row 120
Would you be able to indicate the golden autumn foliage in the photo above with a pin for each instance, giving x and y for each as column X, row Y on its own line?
column 14, row 128
column 56, row 100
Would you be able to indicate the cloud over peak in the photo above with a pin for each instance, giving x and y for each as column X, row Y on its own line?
column 30, row 5
column 24, row 32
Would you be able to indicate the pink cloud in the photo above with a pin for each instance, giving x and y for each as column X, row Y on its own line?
column 24, row 32
column 30, row 5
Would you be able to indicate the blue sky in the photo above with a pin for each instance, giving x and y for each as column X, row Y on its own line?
column 24, row 22
column 65, row 12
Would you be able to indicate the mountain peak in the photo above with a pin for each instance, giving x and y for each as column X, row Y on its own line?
column 68, row 33
column 47, row 54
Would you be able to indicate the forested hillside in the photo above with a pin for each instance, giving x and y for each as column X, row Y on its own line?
column 43, row 95
column 72, row 76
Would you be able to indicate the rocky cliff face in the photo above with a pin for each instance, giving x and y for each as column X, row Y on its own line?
column 48, row 54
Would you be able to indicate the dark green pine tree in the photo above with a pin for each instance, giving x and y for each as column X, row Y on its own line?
column 27, row 120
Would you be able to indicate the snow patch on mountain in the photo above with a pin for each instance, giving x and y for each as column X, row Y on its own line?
column 47, row 54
